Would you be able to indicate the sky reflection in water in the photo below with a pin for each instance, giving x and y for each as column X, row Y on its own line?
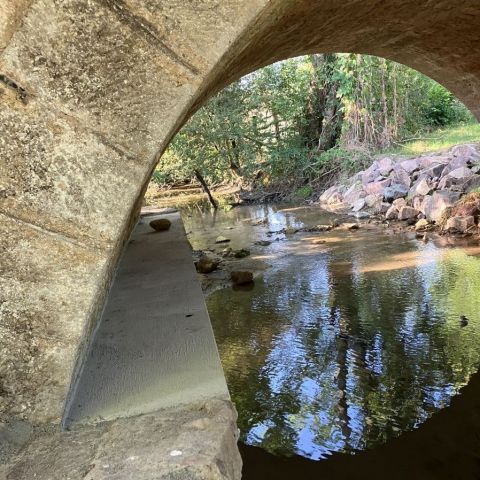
column 343, row 345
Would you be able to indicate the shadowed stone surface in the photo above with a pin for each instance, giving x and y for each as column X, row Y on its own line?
column 194, row 443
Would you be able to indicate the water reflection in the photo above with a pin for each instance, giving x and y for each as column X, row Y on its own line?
column 347, row 343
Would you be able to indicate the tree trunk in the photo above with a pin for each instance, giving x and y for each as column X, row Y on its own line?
column 323, row 113
column 204, row 185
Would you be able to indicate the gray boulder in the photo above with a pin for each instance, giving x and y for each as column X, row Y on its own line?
column 372, row 200
column 472, row 183
column 394, row 192
column 410, row 166
column 438, row 202
column 358, row 205
column 420, row 188
column 385, row 166
column 460, row 224
column 400, row 176
column 434, row 170
column 354, row 193
column 407, row 213
column 392, row 213
column 370, row 174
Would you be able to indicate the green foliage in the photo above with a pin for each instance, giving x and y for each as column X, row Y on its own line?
column 304, row 192
column 440, row 139
column 299, row 120
column 439, row 109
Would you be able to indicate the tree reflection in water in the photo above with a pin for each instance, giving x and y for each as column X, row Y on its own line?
column 346, row 347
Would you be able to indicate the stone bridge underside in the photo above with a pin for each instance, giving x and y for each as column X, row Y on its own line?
column 92, row 91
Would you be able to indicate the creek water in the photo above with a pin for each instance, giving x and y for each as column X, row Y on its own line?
column 348, row 339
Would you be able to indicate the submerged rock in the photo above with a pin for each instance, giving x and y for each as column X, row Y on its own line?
column 321, row 228
column 263, row 243
column 241, row 277
column 221, row 239
column 242, row 253
column 161, row 224
column 351, row 226
column 463, row 321
column 206, row 265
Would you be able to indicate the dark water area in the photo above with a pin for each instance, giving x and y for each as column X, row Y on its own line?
column 347, row 341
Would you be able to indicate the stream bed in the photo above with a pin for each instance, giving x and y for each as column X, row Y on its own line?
column 347, row 339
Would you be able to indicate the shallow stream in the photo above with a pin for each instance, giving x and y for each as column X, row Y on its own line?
column 348, row 339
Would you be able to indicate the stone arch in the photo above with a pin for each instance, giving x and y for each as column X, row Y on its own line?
column 92, row 91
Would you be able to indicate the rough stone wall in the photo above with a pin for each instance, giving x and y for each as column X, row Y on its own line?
column 91, row 92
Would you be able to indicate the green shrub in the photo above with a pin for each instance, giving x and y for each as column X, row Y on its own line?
column 304, row 192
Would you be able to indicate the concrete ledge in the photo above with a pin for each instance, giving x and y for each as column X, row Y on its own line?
column 154, row 347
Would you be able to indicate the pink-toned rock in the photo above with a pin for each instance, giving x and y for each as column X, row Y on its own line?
column 438, row 202
column 358, row 205
column 456, row 177
column 354, row 193
column 385, row 166
column 400, row 176
column 370, row 174
column 455, row 163
column 392, row 213
column 406, row 213
column 328, row 193
column 460, row 224
column 428, row 161
column 410, row 165
column 399, row 203
column 472, row 183
column 335, row 199
column 446, row 182
column 372, row 200
column 461, row 173
column 375, row 188
column 468, row 152
column 425, row 205
column 381, row 207
column 421, row 188
column 418, row 202
column 434, row 171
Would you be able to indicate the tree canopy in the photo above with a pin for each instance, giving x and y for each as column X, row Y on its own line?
column 300, row 120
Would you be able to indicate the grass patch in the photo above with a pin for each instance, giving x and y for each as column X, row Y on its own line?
column 441, row 139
